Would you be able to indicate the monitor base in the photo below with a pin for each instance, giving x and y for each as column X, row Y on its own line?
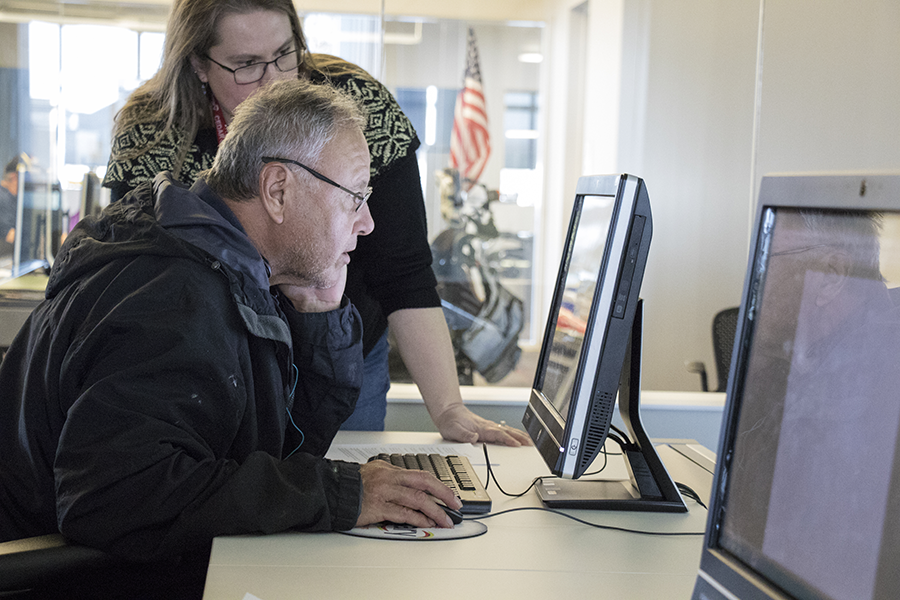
column 650, row 487
column 593, row 494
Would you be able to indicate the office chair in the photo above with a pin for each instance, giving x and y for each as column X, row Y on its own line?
column 39, row 567
column 724, row 327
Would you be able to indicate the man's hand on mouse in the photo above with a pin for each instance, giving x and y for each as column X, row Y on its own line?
column 403, row 496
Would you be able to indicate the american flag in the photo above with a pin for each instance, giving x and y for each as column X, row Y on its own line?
column 470, row 143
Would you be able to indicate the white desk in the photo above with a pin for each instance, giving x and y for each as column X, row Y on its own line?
column 18, row 297
column 527, row 554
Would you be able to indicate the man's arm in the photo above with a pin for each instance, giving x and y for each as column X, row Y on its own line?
column 172, row 432
column 328, row 368
column 389, row 493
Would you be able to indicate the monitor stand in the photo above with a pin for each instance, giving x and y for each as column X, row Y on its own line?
column 650, row 488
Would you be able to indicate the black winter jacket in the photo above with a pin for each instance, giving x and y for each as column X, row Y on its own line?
column 161, row 395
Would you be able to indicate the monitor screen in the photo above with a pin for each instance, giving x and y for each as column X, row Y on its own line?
column 805, row 502
column 588, row 242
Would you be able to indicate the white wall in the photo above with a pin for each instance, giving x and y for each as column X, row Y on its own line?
column 685, row 73
column 692, row 145
column 831, row 86
column 670, row 99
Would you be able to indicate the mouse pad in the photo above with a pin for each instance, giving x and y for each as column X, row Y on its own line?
column 394, row 531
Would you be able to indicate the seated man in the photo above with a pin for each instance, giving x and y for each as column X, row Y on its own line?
column 195, row 356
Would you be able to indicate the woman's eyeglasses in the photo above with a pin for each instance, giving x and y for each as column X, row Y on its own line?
column 253, row 73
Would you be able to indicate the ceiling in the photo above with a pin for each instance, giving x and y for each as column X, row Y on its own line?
column 151, row 14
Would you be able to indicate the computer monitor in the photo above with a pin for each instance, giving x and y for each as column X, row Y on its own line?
column 591, row 352
column 35, row 203
column 92, row 192
column 805, row 495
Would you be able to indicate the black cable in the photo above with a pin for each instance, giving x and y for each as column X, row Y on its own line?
column 605, row 461
column 491, row 475
column 690, row 493
column 622, row 443
column 583, row 522
column 683, row 488
column 620, row 432
column 606, row 456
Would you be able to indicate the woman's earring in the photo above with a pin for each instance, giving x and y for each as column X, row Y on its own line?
column 202, row 83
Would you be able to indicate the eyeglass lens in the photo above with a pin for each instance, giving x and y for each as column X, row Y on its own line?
column 255, row 72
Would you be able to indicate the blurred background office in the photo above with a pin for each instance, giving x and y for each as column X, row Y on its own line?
column 698, row 97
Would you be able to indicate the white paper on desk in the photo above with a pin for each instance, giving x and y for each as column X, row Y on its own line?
column 360, row 453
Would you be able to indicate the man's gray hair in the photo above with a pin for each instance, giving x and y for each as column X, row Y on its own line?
column 287, row 119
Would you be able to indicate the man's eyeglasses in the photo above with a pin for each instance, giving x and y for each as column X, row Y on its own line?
column 253, row 73
column 360, row 198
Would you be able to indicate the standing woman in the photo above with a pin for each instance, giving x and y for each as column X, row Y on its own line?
column 219, row 52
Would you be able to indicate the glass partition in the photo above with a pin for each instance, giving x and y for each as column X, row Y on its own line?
column 66, row 105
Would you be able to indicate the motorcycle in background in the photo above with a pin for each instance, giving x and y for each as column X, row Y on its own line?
column 483, row 316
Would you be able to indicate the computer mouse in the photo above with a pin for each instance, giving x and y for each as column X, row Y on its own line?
column 454, row 515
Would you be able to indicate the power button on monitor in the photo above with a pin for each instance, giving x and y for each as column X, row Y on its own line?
column 573, row 447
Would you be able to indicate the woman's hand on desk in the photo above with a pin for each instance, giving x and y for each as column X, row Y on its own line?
column 459, row 424
column 403, row 496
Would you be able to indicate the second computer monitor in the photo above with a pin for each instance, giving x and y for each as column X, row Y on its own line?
column 590, row 322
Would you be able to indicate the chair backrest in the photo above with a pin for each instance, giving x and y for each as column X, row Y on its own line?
column 723, row 330
column 44, row 561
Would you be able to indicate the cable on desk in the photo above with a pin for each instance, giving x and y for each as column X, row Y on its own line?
column 491, row 475
column 583, row 522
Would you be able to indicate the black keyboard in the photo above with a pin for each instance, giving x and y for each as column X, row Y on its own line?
column 455, row 472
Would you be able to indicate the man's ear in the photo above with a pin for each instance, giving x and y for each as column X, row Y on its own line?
column 199, row 68
column 273, row 186
column 836, row 271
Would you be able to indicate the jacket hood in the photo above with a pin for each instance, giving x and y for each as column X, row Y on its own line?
column 162, row 218
column 201, row 218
